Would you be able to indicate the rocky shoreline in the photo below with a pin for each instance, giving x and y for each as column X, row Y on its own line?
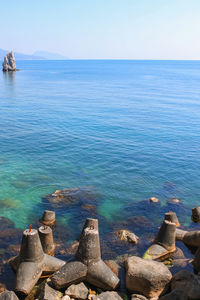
column 163, row 266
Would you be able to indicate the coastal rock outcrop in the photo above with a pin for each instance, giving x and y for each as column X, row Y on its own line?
column 9, row 62
column 147, row 277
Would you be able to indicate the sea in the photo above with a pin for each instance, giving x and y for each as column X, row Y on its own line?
column 122, row 130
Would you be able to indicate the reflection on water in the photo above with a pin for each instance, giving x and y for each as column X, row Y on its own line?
column 9, row 78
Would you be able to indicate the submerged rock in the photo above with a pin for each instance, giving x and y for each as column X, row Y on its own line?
column 174, row 201
column 147, row 277
column 9, row 62
column 2, row 288
column 154, row 199
column 71, row 196
column 128, row 236
column 6, row 223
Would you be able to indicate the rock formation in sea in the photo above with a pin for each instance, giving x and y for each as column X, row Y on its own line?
column 9, row 62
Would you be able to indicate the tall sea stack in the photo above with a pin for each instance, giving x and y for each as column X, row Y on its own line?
column 9, row 62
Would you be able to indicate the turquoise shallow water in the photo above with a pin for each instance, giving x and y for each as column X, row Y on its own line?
column 127, row 130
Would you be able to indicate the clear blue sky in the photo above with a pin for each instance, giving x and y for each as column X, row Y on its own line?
column 129, row 29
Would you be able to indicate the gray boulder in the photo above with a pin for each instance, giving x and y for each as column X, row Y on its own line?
column 9, row 62
column 8, row 295
column 147, row 277
column 188, row 283
column 65, row 297
column 77, row 291
column 175, row 295
column 48, row 293
column 138, row 297
column 109, row 296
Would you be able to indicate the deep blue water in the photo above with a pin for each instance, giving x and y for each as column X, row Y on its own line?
column 127, row 130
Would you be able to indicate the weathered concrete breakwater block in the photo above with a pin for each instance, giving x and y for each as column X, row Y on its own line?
column 196, row 214
column 164, row 243
column 32, row 262
column 71, row 273
column 172, row 217
column 147, row 277
column 190, row 238
column 46, row 238
column 88, row 265
column 196, row 261
column 48, row 218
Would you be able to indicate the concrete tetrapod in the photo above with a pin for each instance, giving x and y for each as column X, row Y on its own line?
column 196, row 214
column 32, row 262
column 190, row 238
column 46, row 238
column 172, row 217
column 88, row 265
column 48, row 218
column 164, row 243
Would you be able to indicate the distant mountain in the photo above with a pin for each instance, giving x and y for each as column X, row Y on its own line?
column 49, row 55
column 38, row 55
column 19, row 56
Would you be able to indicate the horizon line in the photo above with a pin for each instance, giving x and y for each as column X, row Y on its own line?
column 135, row 59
